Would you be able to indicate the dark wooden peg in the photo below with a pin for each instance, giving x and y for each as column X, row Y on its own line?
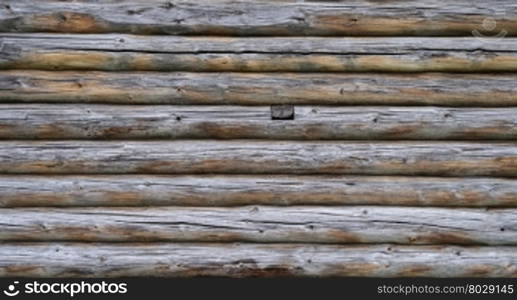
column 282, row 112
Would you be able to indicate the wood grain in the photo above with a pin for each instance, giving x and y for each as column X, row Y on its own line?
column 263, row 224
column 259, row 89
column 260, row 157
column 209, row 17
column 232, row 190
column 115, row 52
column 93, row 189
column 244, row 260
column 76, row 121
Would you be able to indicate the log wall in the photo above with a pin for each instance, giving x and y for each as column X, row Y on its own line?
column 258, row 138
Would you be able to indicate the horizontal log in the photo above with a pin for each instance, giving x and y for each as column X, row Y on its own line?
column 259, row 89
column 57, row 121
column 255, row 54
column 260, row 157
column 208, row 17
column 263, row 224
column 147, row 190
column 243, row 260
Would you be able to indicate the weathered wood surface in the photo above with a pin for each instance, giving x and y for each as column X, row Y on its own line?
column 232, row 190
column 358, row 17
column 114, row 52
column 259, row 89
column 243, row 260
column 260, row 157
column 263, row 224
column 83, row 121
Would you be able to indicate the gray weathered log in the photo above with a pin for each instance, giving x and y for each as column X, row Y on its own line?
column 231, row 190
column 260, row 157
column 259, row 89
column 114, row 52
column 263, row 224
column 243, row 260
column 209, row 17
column 83, row 121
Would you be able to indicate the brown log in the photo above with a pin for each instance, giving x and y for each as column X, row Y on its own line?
column 147, row 190
column 259, row 89
column 57, row 121
column 260, row 157
column 263, row 224
column 244, row 260
column 271, row 17
column 255, row 54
